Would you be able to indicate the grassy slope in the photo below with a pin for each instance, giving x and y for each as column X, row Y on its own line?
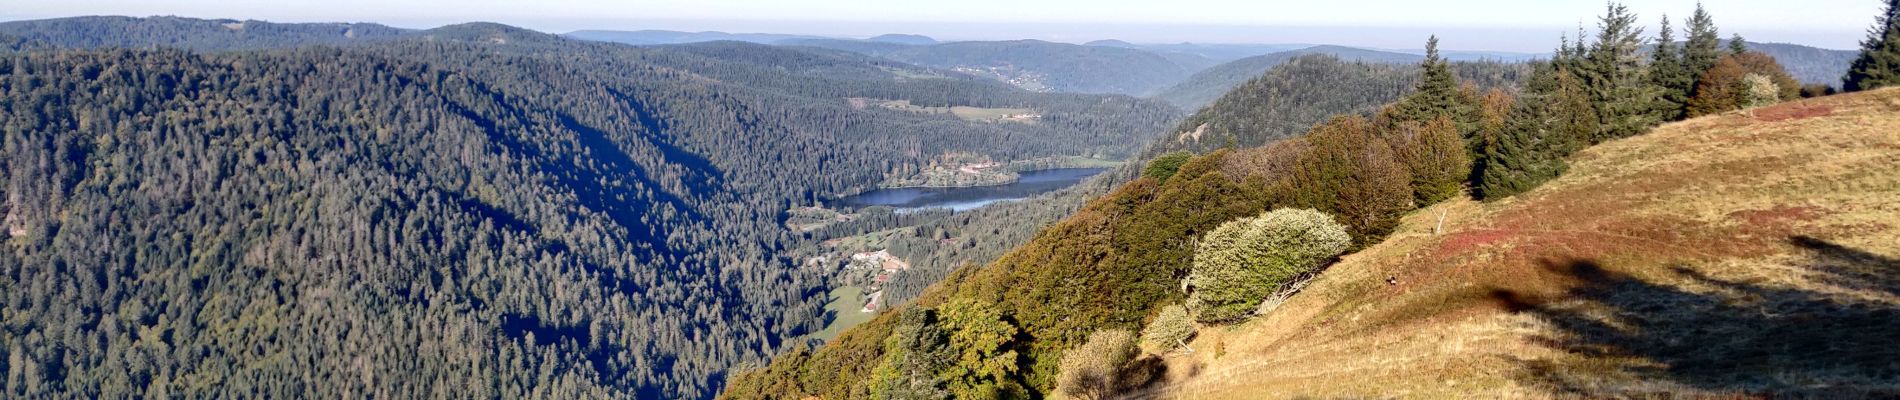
column 1735, row 254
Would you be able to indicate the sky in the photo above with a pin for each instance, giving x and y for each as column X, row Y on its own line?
column 1494, row 25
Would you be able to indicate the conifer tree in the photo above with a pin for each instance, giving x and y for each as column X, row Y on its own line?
column 1618, row 86
column 1879, row 62
column 1541, row 130
column 1666, row 70
column 1737, row 46
column 1701, row 51
column 914, row 353
column 1437, row 94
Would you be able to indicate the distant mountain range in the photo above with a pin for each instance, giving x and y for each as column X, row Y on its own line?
column 1188, row 75
column 657, row 37
column 664, row 37
column 1038, row 65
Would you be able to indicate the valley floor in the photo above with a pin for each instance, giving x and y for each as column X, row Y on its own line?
column 1747, row 254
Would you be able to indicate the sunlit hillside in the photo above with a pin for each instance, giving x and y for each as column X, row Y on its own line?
column 1750, row 253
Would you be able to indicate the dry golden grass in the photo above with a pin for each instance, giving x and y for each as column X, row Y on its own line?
column 1733, row 256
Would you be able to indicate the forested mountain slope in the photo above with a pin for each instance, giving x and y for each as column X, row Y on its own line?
column 1209, row 84
column 1744, row 254
column 472, row 209
column 1038, row 65
column 1305, row 90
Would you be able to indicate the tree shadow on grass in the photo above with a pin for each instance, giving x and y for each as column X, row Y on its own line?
column 1835, row 336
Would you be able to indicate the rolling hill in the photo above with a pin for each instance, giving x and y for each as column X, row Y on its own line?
column 1209, row 84
column 1304, row 90
column 1748, row 254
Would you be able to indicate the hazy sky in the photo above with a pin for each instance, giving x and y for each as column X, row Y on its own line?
column 1509, row 25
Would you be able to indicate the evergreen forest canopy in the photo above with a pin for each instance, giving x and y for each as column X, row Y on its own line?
column 471, row 209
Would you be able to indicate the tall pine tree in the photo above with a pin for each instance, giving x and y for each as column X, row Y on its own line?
column 1879, row 62
column 1614, row 72
column 1437, row 94
column 1666, row 70
column 1702, row 49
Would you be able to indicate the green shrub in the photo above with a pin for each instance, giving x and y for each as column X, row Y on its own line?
column 1090, row 371
column 1169, row 329
column 1163, row 167
column 1243, row 261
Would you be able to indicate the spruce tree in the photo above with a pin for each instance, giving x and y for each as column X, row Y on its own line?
column 1701, row 51
column 1623, row 96
column 1436, row 95
column 1541, row 130
column 1737, row 46
column 1879, row 62
column 1666, row 71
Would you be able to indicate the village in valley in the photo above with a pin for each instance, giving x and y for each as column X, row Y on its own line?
column 862, row 266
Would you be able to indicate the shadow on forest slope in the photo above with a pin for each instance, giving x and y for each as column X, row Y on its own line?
column 1837, row 335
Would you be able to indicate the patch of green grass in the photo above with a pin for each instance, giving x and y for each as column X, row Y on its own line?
column 845, row 305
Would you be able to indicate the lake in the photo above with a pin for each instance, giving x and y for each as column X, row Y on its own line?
column 969, row 198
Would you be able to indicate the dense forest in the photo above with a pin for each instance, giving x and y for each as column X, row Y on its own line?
column 473, row 209
column 1181, row 241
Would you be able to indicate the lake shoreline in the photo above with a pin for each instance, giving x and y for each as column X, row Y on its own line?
column 965, row 198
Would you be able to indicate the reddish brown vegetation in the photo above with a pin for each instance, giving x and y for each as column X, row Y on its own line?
column 1792, row 111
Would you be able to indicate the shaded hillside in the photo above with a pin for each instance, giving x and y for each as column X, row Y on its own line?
column 189, row 33
column 477, row 207
column 1304, row 90
column 1208, row 85
column 1037, row 65
column 1746, row 254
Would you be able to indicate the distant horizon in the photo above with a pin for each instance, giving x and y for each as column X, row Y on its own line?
column 1393, row 35
column 1465, row 25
